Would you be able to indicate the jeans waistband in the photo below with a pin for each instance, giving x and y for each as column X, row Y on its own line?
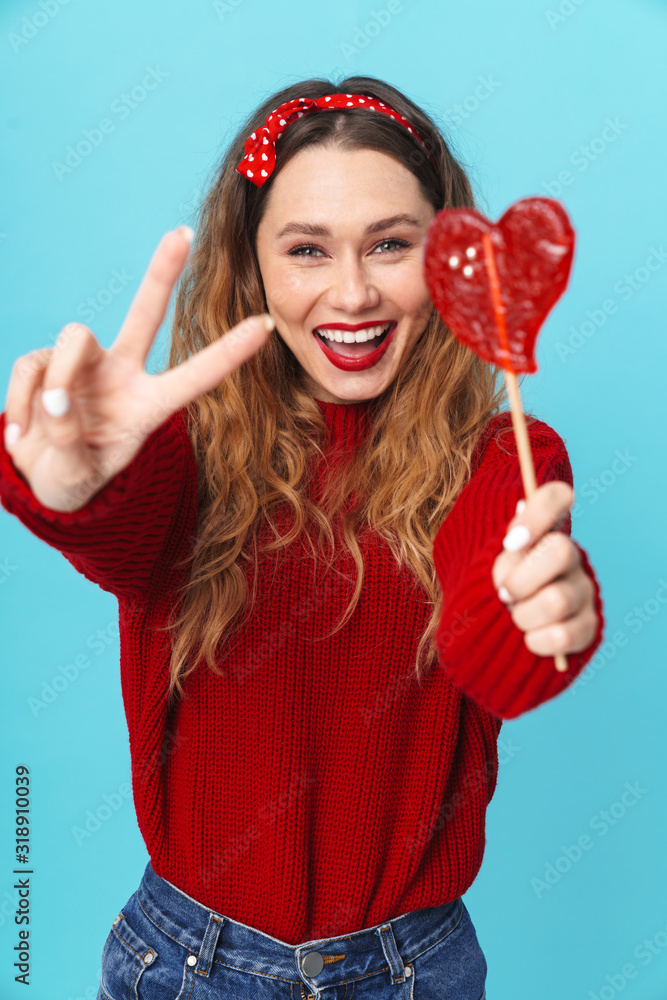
column 386, row 949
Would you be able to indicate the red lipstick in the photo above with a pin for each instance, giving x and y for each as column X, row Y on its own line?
column 350, row 364
column 353, row 326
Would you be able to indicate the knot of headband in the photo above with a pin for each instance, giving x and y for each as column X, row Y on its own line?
column 260, row 148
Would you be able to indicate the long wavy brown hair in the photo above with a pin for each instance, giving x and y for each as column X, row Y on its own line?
column 254, row 434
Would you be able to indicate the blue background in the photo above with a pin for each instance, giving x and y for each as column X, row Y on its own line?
column 557, row 71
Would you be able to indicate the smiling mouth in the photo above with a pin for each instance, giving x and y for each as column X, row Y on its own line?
column 357, row 349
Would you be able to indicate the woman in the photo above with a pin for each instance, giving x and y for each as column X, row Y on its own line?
column 313, row 746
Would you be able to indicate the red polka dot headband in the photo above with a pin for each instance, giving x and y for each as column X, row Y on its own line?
column 260, row 147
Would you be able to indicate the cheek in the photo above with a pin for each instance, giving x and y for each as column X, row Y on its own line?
column 290, row 291
column 408, row 290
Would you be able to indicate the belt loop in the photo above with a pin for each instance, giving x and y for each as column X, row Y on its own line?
column 391, row 953
column 208, row 945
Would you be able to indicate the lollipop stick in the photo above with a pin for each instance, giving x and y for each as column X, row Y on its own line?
column 521, row 435
column 518, row 420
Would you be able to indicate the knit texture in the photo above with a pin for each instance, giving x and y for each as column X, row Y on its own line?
column 316, row 789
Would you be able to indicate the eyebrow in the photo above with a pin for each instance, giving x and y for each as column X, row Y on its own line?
column 312, row 229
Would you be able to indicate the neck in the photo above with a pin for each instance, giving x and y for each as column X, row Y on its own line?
column 331, row 400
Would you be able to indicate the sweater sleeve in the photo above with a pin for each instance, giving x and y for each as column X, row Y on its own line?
column 137, row 519
column 480, row 647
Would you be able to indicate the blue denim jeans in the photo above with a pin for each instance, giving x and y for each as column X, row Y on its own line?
column 164, row 945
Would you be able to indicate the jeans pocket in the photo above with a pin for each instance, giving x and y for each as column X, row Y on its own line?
column 455, row 966
column 428, row 984
column 125, row 958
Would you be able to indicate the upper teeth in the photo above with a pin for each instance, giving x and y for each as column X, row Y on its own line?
column 352, row 336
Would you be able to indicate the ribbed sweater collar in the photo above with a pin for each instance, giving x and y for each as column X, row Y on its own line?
column 347, row 422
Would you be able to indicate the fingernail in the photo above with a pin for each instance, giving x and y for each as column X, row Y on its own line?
column 504, row 595
column 188, row 232
column 520, row 507
column 12, row 434
column 56, row 402
column 516, row 538
column 270, row 322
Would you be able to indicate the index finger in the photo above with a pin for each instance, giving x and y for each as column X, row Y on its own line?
column 546, row 510
column 150, row 303
column 202, row 371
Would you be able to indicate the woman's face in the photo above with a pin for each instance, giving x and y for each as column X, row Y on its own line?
column 330, row 256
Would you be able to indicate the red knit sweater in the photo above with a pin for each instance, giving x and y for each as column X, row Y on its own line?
column 316, row 789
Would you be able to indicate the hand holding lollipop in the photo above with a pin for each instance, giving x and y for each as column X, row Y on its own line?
column 494, row 286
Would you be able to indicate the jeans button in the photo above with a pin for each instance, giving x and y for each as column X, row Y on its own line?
column 312, row 964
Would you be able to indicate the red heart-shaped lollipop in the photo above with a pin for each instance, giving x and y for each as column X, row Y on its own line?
column 494, row 284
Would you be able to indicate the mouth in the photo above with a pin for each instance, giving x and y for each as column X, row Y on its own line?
column 358, row 348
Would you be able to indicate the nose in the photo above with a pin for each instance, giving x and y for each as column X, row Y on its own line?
column 351, row 288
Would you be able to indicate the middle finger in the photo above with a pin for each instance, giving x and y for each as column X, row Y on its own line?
column 554, row 555
column 149, row 305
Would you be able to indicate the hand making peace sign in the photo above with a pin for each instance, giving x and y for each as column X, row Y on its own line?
column 102, row 404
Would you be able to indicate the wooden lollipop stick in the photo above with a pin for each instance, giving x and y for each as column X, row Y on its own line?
column 525, row 461
column 518, row 419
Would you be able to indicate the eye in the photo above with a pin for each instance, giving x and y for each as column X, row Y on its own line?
column 295, row 251
column 400, row 244
column 304, row 246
